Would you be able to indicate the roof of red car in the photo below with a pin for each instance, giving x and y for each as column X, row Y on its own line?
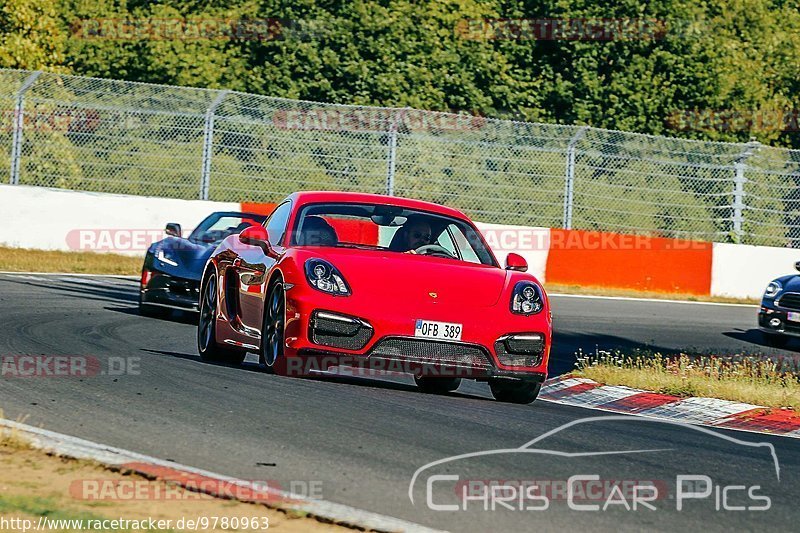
column 310, row 197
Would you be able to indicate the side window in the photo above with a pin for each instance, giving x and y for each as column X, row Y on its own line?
column 276, row 224
column 467, row 251
column 446, row 242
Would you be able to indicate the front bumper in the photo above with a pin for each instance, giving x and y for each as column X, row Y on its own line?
column 165, row 290
column 317, row 338
column 775, row 320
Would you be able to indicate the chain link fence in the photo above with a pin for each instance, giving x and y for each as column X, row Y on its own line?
column 133, row 138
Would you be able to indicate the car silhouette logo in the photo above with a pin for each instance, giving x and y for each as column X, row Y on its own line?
column 433, row 295
column 531, row 447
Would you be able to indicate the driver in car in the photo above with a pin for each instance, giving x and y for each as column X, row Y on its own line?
column 417, row 233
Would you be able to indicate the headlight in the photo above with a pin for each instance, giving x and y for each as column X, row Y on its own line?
column 325, row 277
column 772, row 289
column 161, row 256
column 526, row 298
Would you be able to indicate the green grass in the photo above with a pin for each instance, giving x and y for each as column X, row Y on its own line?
column 39, row 506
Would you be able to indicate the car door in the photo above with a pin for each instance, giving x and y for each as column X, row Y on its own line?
column 253, row 267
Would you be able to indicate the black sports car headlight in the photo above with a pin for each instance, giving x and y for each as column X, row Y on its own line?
column 773, row 289
column 526, row 299
column 325, row 277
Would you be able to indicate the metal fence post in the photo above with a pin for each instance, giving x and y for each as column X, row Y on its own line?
column 208, row 138
column 391, row 155
column 569, row 183
column 19, row 116
column 738, row 191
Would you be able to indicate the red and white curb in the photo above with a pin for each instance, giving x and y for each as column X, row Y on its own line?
column 204, row 481
column 583, row 392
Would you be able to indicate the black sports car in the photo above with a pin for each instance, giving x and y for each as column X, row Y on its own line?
column 779, row 316
column 173, row 266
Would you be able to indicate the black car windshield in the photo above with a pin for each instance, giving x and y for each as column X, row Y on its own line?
column 389, row 228
column 217, row 226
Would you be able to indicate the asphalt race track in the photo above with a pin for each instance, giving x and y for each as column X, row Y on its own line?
column 361, row 440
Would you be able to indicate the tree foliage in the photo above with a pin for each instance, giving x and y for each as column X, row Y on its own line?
column 31, row 35
column 719, row 70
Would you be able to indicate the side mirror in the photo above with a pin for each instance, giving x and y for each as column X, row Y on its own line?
column 516, row 262
column 174, row 230
column 256, row 236
column 797, row 265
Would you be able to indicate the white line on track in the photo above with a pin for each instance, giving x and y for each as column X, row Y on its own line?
column 104, row 282
column 67, row 274
column 655, row 300
column 31, row 278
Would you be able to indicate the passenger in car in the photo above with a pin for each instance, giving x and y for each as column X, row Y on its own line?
column 316, row 231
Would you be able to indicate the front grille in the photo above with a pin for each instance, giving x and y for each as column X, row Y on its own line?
column 790, row 300
column 431, row 352
column 513, row 359
column 344, row 333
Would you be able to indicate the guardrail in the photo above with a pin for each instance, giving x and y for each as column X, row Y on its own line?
column 132, row 138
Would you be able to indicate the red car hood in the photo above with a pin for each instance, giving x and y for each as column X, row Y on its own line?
column 408, row 277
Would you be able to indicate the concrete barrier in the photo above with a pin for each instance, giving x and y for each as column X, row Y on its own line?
column 56, row 219
column 743, row 271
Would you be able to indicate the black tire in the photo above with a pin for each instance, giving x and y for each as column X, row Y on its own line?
column 435, row 385
column 776, row 340
column 273, row 330
column 515, row 391
column 207, row 346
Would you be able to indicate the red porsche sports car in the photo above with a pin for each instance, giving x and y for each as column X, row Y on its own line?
column 376, row 282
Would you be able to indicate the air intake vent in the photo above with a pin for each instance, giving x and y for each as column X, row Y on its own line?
column 338, row 331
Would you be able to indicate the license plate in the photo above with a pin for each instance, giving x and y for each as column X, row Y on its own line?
column 794, row 317
column 437, row 330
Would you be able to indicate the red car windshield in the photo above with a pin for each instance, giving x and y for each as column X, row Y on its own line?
column 389, row 228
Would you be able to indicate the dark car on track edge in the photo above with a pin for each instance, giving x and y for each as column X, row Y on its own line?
column 174, row 265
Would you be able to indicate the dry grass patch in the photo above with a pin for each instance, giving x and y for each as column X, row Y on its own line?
column 25, row 260
column 770, row 382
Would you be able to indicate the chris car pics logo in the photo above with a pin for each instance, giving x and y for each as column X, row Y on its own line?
column 445, row 489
